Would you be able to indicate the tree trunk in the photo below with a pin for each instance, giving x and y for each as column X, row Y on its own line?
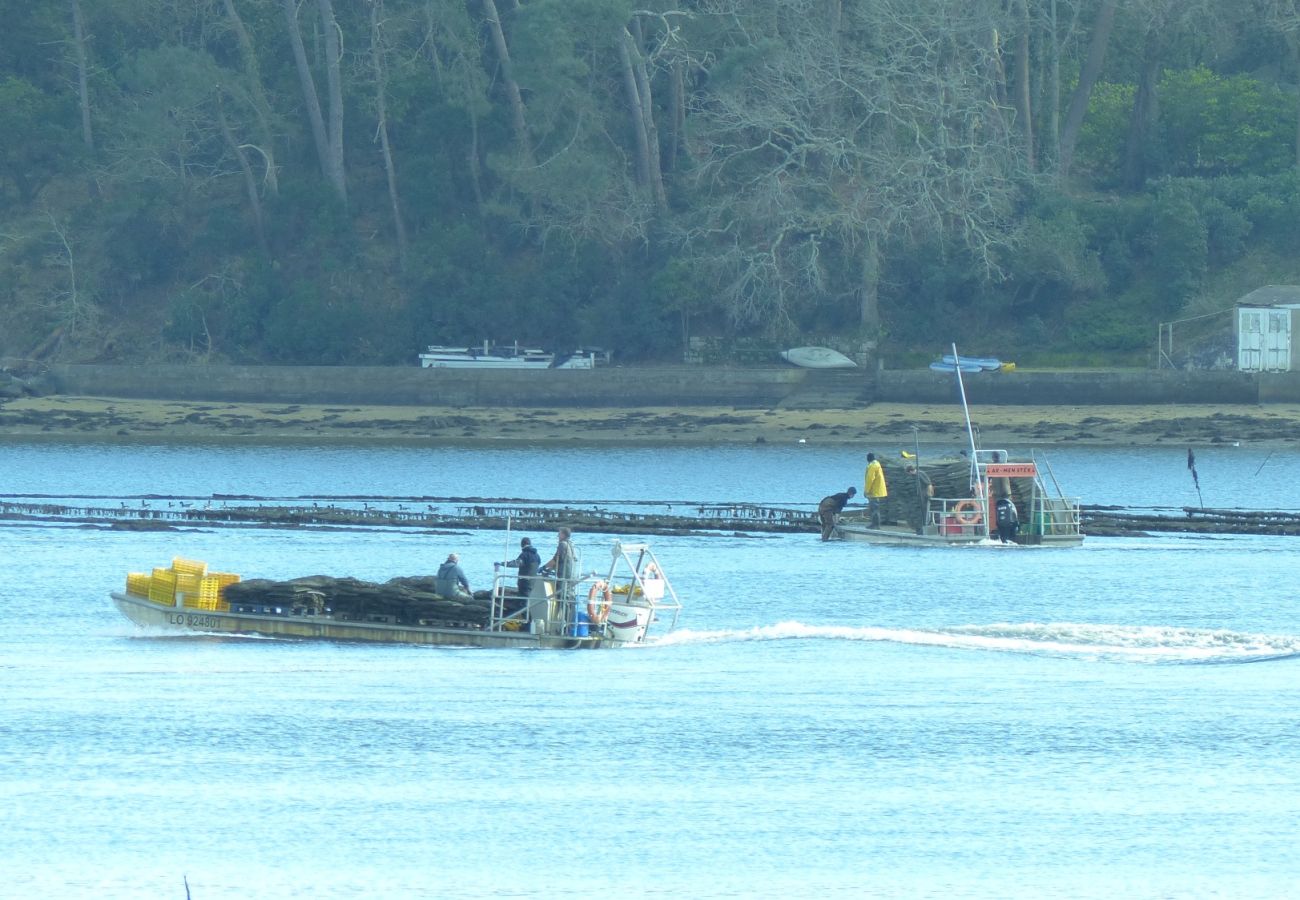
column 334, row 84
column 632, row 90
column 676, row 115
column 308, row 85
column 1294, row 43
column 1087, row 78
column 261, row 105
column 1144, row 114
column 1024, row 109
column 319, row 133
column 869, row 288
column 381, row 109
column 1054, row 95
column 508, row 80
column 250, row 179
column 648, row 117
column 83, row 80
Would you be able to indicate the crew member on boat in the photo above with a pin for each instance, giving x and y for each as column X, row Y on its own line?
column 832, row 506
column 563, row 564
column 1008, row 520
column 875, row 488
column 527, row 562
column 451, row 581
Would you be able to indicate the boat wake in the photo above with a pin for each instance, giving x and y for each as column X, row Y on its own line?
column 1135, row 643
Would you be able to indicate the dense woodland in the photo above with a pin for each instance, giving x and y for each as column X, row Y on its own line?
column 345, row 181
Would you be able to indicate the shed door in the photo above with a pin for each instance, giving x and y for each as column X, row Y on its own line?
column 1277, row 341
column 1250, row 340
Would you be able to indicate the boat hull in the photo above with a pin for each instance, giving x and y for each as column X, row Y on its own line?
column 817, row 358
column 148, row 614
column 934, row 537
column 906, row 536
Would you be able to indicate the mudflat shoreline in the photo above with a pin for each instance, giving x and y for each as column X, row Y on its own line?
column 883, row 424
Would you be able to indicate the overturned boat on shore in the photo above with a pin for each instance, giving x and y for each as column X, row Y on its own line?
column 616, row 607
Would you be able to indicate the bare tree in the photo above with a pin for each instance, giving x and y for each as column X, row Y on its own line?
column 328, row 138
column 71, row 310
column 518, row 119
column 381, row 126
column 1088, row 75
column 83, row 78
column 257, row 92
column 815, row 163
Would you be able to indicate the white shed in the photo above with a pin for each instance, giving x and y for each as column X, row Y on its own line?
column 1263, row 329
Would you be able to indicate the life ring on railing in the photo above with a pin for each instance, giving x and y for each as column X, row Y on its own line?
column 967, row 512
column 599, row 600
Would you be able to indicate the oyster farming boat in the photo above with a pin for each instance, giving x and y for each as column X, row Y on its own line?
column 616, row 607
column 1047, row 517
column 969, row 512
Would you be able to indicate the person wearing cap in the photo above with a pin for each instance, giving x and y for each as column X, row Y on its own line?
column 832, row 506
column 564, row 564
column 527, row 562
column 875, row 488
column 451, row 581
column 924, row 491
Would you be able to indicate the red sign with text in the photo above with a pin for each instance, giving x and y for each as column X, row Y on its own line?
column 1010, row 470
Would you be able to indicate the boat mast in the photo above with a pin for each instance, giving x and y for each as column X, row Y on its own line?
column 976, row 480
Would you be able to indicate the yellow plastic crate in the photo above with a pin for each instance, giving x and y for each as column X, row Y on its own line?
column 162, row 587
column 211, row 586
column 138, row 583
column 188, row 584
column 189, row 567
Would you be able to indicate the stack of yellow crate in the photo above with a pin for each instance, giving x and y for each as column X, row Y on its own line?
column 162, row 587
column 190, row 579
column 210, row 590
column 189, row 576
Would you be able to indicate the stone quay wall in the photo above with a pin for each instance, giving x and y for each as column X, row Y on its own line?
column 671, row 386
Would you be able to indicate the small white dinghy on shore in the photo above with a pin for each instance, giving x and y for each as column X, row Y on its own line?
column 817, row 358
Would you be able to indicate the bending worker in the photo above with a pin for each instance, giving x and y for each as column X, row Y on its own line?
column 876, row 490
column 832, row 506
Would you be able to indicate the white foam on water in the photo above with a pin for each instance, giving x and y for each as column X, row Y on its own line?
column 1139, row 643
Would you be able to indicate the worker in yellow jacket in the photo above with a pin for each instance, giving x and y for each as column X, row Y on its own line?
column 875, row 488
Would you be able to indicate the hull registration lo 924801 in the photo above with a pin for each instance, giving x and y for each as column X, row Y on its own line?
column 616, row 607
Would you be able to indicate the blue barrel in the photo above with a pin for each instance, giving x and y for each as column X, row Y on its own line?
column 579, row 629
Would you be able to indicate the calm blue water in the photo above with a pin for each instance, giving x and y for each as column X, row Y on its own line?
column 829, row 720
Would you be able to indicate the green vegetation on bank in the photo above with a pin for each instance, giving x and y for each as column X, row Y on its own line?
column 312, row 181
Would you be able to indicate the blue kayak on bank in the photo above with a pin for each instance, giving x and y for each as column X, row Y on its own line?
column 966, row 367
column 980, row 363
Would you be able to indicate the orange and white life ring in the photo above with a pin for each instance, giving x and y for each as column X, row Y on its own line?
column 599, row 600
column 967, row 512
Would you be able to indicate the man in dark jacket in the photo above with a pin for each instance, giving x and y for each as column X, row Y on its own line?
column 1008, row 520
column 527, row 562
column 832, row 506
column 451, row 581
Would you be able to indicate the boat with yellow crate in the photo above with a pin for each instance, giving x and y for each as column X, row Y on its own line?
column 615, row 607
